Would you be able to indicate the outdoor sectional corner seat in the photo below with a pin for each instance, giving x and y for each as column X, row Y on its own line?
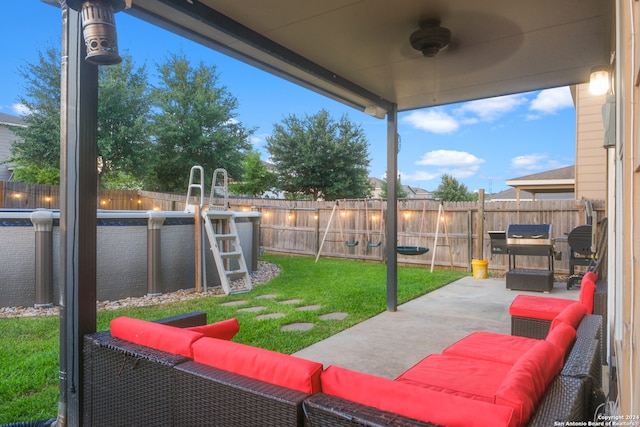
column 531, row 315
column 177, row 373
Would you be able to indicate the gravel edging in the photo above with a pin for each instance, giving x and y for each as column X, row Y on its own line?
column 265, row 272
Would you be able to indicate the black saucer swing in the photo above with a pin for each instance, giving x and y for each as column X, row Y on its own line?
column 414, row 250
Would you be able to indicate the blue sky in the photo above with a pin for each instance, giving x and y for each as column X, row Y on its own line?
column 481, row 143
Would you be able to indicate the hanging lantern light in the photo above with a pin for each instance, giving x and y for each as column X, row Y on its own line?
column 99, row 29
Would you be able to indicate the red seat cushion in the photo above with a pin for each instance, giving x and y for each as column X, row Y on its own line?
column 536, row 307
column 491, row 346
column 461, row 376
column 414, row 402
column 224, row 330
column 264, row 365
column 154, row 335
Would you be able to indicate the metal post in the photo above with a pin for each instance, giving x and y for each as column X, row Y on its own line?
column 78, row 204
column 43, row 223
column 154, row 252
column 392, row 202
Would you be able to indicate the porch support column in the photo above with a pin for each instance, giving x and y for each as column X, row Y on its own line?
column 392, row 202
column 78, row 204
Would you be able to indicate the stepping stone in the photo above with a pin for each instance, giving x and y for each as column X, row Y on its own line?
column 291, row 301
column 334, row 316
column 297, row 327
column 233, row 303
column 270, row 316
column 309, row 307
column 267, row 296
column 251, row 309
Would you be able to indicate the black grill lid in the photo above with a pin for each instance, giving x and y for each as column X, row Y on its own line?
column 529, row 231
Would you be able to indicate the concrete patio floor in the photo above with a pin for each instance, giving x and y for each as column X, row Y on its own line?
column 391, row 342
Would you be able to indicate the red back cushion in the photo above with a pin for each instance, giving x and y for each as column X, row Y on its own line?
column 528, row 379
column 264, row 365
column 571, row 315
column 224, row 330
column 414, row 401
column 562, row 335
column 587, row 293
column 154, row 335
column 590, row 276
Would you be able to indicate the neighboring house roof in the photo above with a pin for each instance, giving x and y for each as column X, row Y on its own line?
column 560, row 180
column 9, row 120
column 511, row 195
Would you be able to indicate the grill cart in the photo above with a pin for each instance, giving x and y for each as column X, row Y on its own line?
column 529, row 240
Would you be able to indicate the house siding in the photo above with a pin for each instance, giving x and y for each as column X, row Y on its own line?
column 6, row 139
column 591, row 158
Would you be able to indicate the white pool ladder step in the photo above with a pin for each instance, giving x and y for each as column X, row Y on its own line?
column 222, row 232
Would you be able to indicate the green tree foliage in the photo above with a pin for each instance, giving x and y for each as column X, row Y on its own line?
column 319, row 157
column 123, row 110
column 400, row 191
column 194, row 124
column 256, row 178
column 40, row 144
column 123, row 113
column 451, row 190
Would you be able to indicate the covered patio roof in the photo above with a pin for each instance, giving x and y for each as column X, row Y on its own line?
column 560, row 180
column 358, row 51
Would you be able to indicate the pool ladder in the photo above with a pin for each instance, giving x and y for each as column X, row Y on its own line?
column 221, row 229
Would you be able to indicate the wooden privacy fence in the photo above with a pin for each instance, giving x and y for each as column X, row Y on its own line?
column 299, row 227
column 18, row 195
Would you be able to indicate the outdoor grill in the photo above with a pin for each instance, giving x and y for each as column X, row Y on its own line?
column 529, row 240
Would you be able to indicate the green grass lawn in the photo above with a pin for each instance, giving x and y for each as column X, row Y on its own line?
column 29, row 346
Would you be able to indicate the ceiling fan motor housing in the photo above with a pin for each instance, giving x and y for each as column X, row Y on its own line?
column 430, row 38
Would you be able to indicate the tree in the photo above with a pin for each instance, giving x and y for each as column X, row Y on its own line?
column 320, row 157
column 256, row 178
column 123, row 109
column 400, row 191
column 451, row 190
column 39, row 147
column 194, row 125
column 123, row 114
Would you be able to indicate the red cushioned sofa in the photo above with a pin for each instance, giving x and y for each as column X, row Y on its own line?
column 147, row 373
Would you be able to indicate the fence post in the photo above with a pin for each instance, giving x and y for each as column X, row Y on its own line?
column 43, row 223
column 154, row 252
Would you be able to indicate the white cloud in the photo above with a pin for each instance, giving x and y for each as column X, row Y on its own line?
column 535, row 163
column 491, row 109
column 418, row 176
column 458, row 164
column 434, row 120
column 20, row 109
column 549, row 101
column 449, row 158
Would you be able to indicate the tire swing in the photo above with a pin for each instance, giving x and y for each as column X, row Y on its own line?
column 415, row 250
column 371, row 244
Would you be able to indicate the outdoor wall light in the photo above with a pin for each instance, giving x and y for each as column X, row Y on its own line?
column 599, row 80
column 99, row 29
column 375, row 111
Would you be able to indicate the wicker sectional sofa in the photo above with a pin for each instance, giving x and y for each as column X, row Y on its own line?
column 142, row 373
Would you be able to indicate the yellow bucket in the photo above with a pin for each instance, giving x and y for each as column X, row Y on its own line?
column 480, row 268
